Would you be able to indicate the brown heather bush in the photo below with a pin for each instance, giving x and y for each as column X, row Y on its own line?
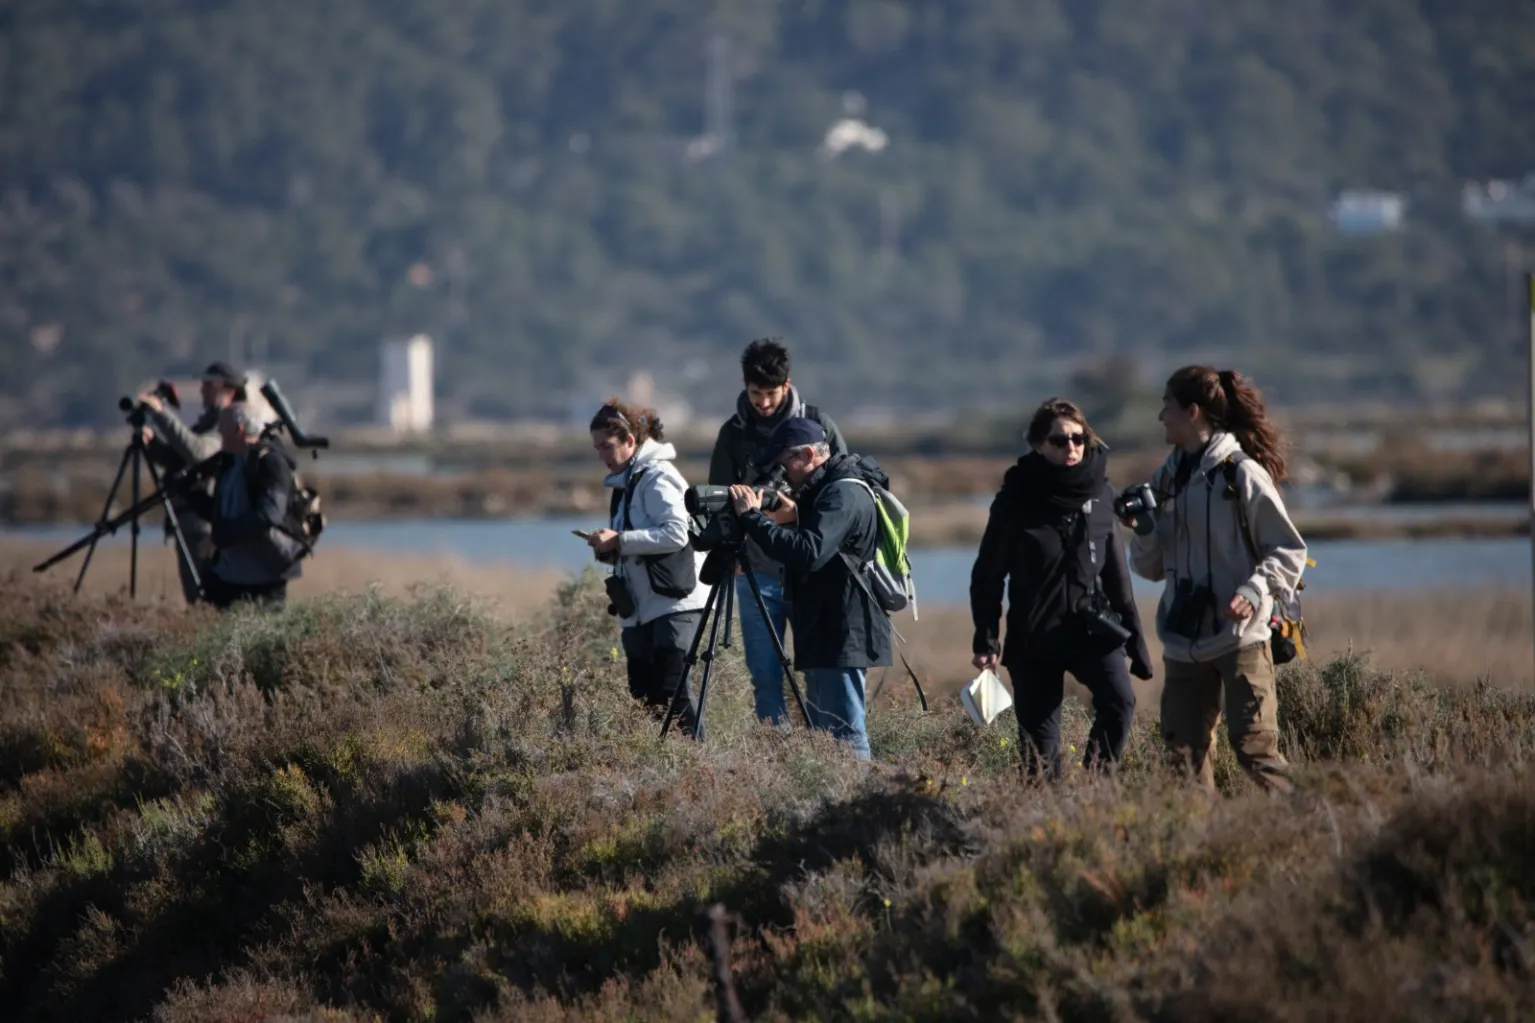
column 369, row 807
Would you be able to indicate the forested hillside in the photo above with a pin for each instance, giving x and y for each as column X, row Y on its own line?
column 1063, row 179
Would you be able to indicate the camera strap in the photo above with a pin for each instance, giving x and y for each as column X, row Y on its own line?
column 1072, row 537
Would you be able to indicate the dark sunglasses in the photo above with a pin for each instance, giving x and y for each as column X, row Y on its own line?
column 1060, row 440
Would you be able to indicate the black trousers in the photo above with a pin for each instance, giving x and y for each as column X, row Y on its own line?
column 224, row 595
column 655, row 652
column 1039, row 685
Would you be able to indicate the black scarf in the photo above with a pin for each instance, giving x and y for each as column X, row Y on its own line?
column 759, row 429
column 1038, row 483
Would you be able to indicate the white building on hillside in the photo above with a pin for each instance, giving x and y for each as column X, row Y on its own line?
column 405, row 385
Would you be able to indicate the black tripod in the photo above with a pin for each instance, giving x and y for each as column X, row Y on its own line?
column 137, row 457
column 720, row 565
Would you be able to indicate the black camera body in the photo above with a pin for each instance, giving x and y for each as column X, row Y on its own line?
column 1192, row 605
column 1101, row 626
column 1138, row 503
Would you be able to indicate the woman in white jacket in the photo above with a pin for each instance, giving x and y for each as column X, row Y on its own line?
column 1226, row 547
column 650, row 546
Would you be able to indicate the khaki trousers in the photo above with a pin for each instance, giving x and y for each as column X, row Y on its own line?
column 1191, row 708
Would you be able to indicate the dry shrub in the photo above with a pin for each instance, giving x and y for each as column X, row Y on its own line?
column 367, row 807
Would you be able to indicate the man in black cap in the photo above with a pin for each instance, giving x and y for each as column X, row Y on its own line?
column 839, row 631
column 173, row 444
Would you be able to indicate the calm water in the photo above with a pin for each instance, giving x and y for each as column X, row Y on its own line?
column 943, row 574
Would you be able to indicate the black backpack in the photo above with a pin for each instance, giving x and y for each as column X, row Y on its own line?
column 305, row 520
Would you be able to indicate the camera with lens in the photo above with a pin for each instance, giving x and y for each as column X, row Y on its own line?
column 1100, row 625
column 1137, row 504
column 723, row 528
column 1191, row 606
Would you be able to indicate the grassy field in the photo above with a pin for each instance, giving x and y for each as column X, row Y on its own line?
column 1452, row 638
column 373, row 807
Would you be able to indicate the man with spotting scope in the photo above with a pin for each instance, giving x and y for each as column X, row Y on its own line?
column 174, row 445
column 768, row 400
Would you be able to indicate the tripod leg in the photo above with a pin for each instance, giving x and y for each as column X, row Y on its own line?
column 182, row 549
column 708, row 659
column 137, row 447
column 783, row 657
column 679, row 697
column 730, row 606
column 106, row 514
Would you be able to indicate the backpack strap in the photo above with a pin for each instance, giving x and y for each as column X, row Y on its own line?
column 1234, row 491
column 626, row 495
column 856, row 571
column 865, row 485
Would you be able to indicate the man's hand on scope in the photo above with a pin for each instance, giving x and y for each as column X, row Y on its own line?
column 787, row 512
column 744, row 498
column 151, row 400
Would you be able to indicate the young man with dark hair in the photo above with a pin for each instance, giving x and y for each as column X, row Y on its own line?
column 769, row 400
column 839, row 631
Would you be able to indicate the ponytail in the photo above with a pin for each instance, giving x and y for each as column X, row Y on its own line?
column 1231, row 403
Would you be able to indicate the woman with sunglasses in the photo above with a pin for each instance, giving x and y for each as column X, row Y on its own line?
column 1052, row 538
column 656, row 592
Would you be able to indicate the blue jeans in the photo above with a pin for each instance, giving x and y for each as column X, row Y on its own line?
column 834, row 698
column 761, row 657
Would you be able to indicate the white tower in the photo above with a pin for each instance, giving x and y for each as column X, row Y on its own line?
column 405, row 385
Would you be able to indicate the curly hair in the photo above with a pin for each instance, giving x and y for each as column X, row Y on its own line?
column 616, row 419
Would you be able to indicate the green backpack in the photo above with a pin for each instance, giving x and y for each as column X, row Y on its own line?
column 888, row 575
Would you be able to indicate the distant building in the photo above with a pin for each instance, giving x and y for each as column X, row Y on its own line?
column 850, row 133
column 405, row 385
column 1500, row 201
column 1361, row 211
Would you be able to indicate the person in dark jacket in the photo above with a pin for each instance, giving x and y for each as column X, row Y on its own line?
column 1052, row 537
column 839, row 631
column 769, row 399
column 255, row 556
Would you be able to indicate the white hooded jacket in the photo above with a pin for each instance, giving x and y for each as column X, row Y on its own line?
column 1199, row 536
column 658, row 524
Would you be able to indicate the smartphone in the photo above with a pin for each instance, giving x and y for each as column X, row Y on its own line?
column 582, row 535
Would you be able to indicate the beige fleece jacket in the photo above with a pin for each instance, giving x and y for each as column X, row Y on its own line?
column 1199, row 536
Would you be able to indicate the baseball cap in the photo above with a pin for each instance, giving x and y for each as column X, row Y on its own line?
column 224, row 373
column 791, row 433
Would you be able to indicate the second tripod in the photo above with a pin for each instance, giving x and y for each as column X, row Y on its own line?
column 721, row 564
column 136, row 459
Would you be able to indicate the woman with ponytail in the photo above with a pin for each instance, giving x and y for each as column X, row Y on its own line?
column 1225, row 546
column 657, row 595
